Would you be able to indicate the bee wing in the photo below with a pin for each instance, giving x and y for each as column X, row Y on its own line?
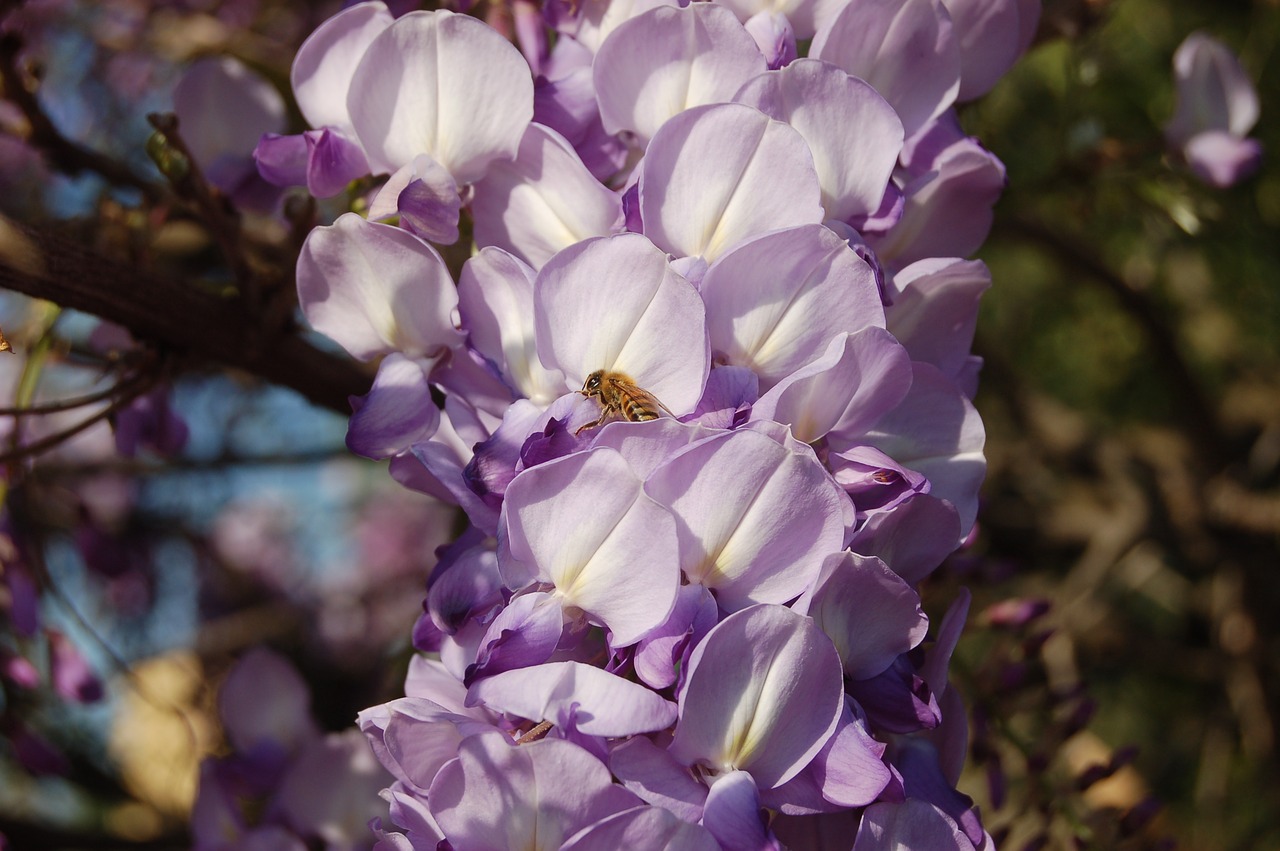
column 640, row 393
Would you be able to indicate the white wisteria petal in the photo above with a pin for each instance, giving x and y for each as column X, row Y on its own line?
column 905, row 48
column 326, row 61
column 755, row 518
column 615, row 303
column 717, row 175
column 763, row 695
column 443, row 85
column 584, row 524
column 858, row 379
column 495, row 300
column 669, row 59
column 542, row 201
column 853, row 133
column 376, row 289
column 774, row 302
column 598, row 18
column 600, row 703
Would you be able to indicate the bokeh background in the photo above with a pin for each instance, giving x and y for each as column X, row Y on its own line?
column 1131, row 395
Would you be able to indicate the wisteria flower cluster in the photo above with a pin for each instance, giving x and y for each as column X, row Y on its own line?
column 702, row 391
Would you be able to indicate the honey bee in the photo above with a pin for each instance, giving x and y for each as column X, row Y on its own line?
column 619, row 396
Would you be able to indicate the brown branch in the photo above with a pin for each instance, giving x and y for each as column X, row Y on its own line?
column 50, row 266
column 61, row 153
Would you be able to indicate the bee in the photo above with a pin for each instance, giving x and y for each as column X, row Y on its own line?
column 619, row 396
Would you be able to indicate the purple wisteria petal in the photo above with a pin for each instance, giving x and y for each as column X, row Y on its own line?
column 411, row 813
column 567, row 104
column 224, row 107
column 443, row 85
column 396, row 413
column 716, row 175
column 852, row 132
column 913, row 538
column 935, row 310
column 654, row 775
column 937, row 431
column 615, row 303
column 910, row 824
column 584, row 524
column 385, row 203
column 905, row 48
column 333, row 161
column 922, row 778
column 658, row 656
column 651, row 828
column 69, row 671
column 1214, row 92
column 413, row 738
column 938, row 659
column 326, row 61
column 847, row 772
column 805, row 15
column 775, row 37
column 577, row 696
column 870, row 614
column 435, row 467
column 647, row 446
column 497, row 459
column 464, row 582
column 282, row 160
column 897, row 700
column 849, row 767
column 762, row 696
column 857, row 381
column 525, row 633
column 1220, row 159
column 947, row 212
column 495, row 299
column 728, row 396
column 989, row 34
column 500, row 795
column 874, row 481
column 429, row 678
column 655, row 66
column 542, row 201
column 733, row 815
column 756, row 519
column 331, row 790
column 264, row 701
column 775, row 301
column 376, row 289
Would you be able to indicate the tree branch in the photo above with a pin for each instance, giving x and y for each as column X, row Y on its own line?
column 176, row 315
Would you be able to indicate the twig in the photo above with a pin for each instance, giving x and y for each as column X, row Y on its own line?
column 62, row 153
column 44, row 444
column 67, row 404
column 215, row 209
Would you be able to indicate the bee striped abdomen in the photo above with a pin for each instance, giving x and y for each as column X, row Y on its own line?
column 619, row 397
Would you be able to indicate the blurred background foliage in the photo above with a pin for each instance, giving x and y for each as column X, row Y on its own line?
column 1131, row 396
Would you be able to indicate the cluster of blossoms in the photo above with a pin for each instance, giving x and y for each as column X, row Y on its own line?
column 683, row 614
